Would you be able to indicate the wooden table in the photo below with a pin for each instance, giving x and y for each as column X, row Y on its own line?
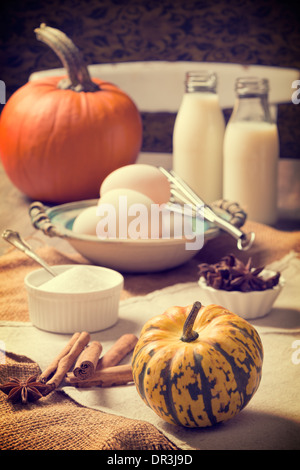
column 14, row 205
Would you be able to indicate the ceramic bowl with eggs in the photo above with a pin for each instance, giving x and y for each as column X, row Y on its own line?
column 78, row 298
column 118, row 229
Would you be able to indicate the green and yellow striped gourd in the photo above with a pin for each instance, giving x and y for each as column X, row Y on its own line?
column 197, row 366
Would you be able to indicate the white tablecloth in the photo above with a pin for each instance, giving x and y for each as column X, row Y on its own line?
column 272, row 418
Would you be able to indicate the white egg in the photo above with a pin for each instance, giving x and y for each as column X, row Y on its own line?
column 124, row 213
column 146, row 179
column 86, row 222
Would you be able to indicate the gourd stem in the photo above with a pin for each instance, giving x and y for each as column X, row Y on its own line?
column 188, row 333
column 78, row 75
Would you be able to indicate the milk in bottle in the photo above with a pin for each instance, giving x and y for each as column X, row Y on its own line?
column 251, row 149
column 198, row 137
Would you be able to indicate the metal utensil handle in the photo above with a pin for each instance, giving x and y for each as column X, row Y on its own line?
column 244, row 241
column 17, row 241
column 41, row 221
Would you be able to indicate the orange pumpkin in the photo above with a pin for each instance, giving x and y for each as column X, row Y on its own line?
column 60, row 137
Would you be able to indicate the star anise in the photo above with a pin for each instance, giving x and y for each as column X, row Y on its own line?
column 24, row 391
column 231, row 274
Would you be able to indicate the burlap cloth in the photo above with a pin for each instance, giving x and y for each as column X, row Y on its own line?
column 57, row 422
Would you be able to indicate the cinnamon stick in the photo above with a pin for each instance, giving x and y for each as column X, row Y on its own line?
column 53, row 366
column 65, row 362
column 87, row 361
column 108, row 377
column 123, row 346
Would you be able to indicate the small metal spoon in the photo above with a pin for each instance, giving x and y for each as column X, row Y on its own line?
column 16, row 240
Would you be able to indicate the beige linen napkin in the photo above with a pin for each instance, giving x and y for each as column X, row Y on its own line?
column 272, row 418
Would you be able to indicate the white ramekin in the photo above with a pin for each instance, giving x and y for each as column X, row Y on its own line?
column 71, row 312
column 248, row 305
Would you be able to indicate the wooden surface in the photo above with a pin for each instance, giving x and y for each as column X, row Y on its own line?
column 14, row 206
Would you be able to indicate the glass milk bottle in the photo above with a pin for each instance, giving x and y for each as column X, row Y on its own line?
column 198, row 136
column 251, row 150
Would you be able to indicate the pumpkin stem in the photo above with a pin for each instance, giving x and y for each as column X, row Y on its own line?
column 78, row 75
column 188, row 333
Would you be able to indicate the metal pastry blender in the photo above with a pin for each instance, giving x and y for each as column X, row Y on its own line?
column 182, row 192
